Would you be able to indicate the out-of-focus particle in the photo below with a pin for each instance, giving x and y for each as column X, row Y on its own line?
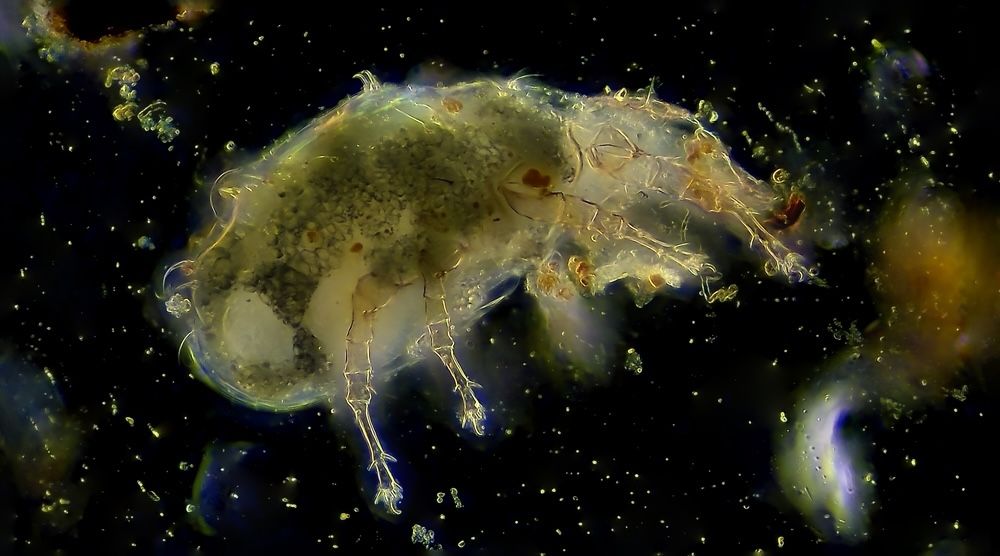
column 633, row 361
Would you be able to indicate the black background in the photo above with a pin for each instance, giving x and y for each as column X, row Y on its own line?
column 639, row 463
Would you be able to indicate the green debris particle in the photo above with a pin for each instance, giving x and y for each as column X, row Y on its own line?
column 152, row 118
column 422, row 535
column 892, row 409
column 633, row 361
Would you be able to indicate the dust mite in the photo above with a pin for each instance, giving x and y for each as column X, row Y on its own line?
column 368, row 237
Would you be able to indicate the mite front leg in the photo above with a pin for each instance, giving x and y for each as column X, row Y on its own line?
column 706, row 176
column 602, row 224
column 583, row 214
column 472, row 415
column 716, row 184
column 369, row 295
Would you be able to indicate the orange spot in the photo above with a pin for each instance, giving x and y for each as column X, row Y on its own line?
column 657, row 281
column 452, row 105
column 583, row 271
column 546, row 282
column 698, row 147
column 789, row 215
column 356, row 248
column 702, row 191
column 534, row 178
column 312, row 236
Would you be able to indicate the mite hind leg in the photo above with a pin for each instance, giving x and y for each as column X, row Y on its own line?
column 370, row 294
column 472, row 415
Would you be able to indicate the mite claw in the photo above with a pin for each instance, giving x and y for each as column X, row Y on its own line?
column 473, row 414
column 475, row 419
column 389, row 497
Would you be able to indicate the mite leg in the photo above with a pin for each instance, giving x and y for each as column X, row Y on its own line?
column 600, row 223
column 707, row 177
column 720, row 196
column 369, row 296
column 716, row 184
column 439, row 331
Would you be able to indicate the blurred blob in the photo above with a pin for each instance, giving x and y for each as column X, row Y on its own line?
column 13, row 42
column 822, row 464
column 75, row 31
column 39, row 444
column 951, row 547
column 583, row 328
column 896, row 77
column 435, row 73
column 239, row 491
column 937, row 283
column 938, row 280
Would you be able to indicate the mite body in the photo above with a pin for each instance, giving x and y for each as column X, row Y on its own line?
column 364, row 239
